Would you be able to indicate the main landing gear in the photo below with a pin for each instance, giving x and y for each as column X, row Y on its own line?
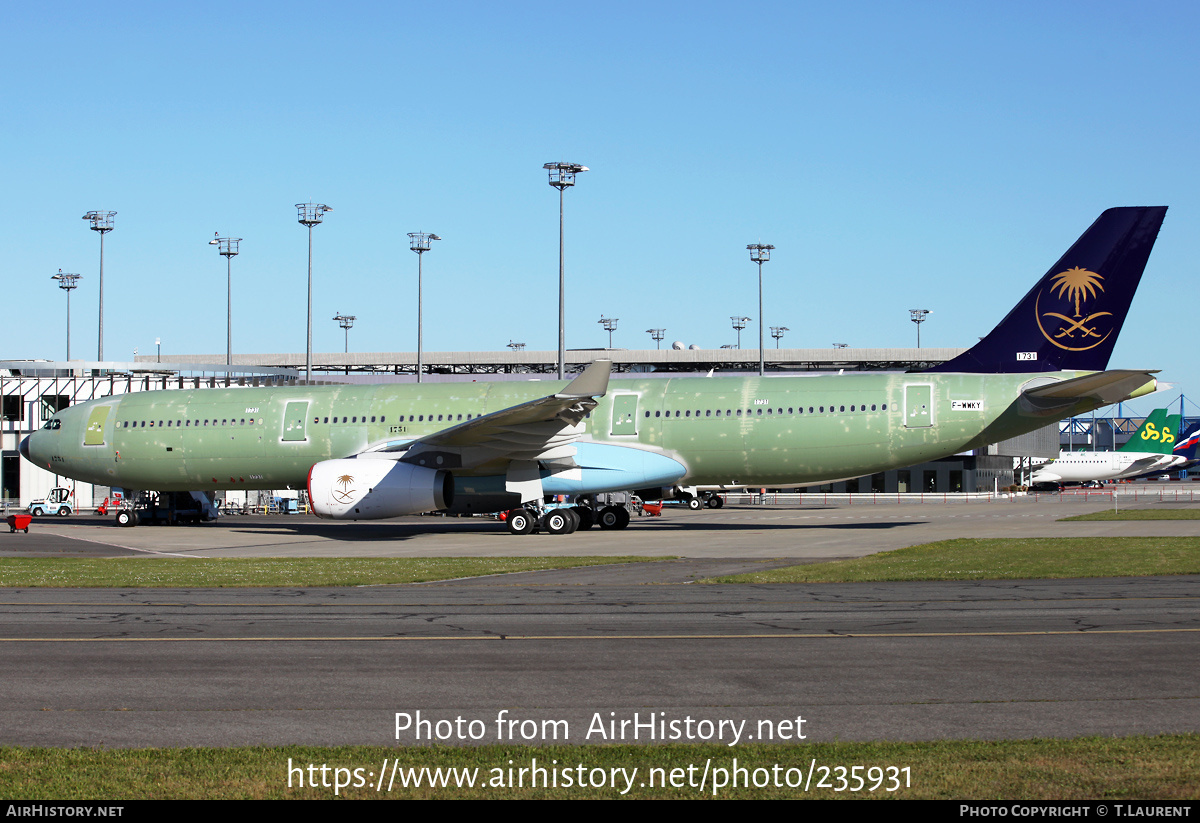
column 566, row 521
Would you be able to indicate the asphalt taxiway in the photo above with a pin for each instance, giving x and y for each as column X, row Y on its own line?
column 913, row 661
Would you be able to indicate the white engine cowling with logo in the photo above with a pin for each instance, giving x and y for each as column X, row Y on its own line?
column 372, row 489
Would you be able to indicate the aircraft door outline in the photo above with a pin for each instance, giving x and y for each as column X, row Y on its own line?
column 624, row 414
column 918, row 406
column 295, row 418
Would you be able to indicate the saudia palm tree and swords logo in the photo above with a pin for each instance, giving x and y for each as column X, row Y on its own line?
column 1082, row 331
column 344, row 494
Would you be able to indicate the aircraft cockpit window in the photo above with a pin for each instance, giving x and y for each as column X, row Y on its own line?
column 53, row 425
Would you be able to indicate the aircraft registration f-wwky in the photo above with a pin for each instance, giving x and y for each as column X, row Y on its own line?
column 369, row 452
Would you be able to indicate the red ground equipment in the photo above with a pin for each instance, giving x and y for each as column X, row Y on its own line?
column 19, row 521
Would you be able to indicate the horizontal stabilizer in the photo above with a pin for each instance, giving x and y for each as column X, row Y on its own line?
column 1099, row 389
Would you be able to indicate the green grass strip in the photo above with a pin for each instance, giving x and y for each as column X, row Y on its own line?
column 163, row 572
column 1001, row 559
column 1138, row 514
column 1160, row 768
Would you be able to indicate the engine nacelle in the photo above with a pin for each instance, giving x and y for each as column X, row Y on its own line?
column 371, row 489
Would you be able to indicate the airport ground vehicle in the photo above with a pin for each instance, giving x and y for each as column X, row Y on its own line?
column 58, row 502
column 168, row 508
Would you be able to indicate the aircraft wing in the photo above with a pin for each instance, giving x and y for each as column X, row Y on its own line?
column 541, row 430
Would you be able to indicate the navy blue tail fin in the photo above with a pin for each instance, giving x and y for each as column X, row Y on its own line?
column 1070, row 320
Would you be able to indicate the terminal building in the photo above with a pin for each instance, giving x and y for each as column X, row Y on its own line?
column 33, row 390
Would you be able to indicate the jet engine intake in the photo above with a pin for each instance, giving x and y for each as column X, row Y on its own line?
column 376, row 489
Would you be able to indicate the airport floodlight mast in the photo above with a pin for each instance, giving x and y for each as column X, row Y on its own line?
column 419, row 241
column 739, row 323
column 610, row 325
column 227, row 247
column 760, row 253
column 158, row 343
column 562, row 176
column 777, row 332
column 66, row 282
column 918, row 317
column 657, row 335
column 102, row 221
column 310, row 214
column 346, row 321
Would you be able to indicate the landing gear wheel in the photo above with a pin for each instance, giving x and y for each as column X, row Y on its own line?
column 520, row 521
column 557, row 521
column 622, row 517
column 608, row 518
column 694, row 503
column 717, row 502
column 614, row 517
column 126, row 518
column 587, row 518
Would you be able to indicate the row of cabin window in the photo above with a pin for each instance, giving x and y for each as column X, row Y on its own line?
column 412, row 418
column 751, row 412
column 180, row 424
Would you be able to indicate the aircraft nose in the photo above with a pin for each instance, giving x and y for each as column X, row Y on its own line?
column 24, row 448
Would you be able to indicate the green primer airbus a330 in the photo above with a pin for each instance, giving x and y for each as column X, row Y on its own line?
column 367, row 452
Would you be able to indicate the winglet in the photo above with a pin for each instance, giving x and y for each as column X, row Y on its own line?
column 592, row 382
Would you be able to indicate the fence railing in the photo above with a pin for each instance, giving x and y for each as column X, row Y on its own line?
column 1122, row 493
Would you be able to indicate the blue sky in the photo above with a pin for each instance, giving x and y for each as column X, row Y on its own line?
column 898, row 155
